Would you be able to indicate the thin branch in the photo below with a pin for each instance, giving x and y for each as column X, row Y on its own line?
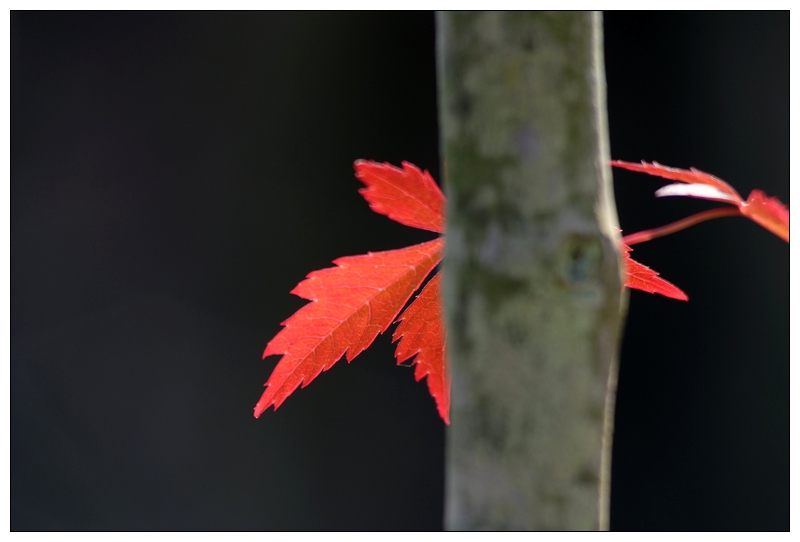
column 647, row 235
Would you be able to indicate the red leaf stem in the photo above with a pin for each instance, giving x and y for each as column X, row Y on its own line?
column 654, row 233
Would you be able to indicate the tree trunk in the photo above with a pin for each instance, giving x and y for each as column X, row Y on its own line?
column 532, row 283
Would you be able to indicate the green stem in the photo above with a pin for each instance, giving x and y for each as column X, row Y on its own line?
column 647, row 235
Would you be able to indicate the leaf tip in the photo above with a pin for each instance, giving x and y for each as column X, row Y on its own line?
column 680, row 295
column 268, row 351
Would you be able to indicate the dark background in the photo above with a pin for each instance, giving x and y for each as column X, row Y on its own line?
column 174, row 175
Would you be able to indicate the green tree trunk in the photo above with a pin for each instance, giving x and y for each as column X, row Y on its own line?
column 532, row 280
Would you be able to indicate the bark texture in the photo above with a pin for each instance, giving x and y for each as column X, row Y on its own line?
column 532, row 287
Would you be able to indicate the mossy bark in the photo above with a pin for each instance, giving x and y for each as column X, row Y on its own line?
column 532, row 282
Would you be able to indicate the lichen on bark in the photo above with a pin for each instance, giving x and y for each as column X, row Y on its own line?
column 532, row 287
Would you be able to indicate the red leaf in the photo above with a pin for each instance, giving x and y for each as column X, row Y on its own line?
column 641, row 277
column 691, row 176
column 361, row 297
column 422, row 333
column 406, row 195
column 350, row 305
column 767, row 212
column 353, row 302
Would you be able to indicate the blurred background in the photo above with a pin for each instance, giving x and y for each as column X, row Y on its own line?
column 175, row 175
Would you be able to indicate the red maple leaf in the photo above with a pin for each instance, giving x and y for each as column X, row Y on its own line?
column 362, row 296
column 408, row 196
column 642, row 277
column 352, row 303
column 767, row 212
column 422, row 332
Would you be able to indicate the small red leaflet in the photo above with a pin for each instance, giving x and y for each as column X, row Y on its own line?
column 421, row 332
column 642, row 277
column 352, row 303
